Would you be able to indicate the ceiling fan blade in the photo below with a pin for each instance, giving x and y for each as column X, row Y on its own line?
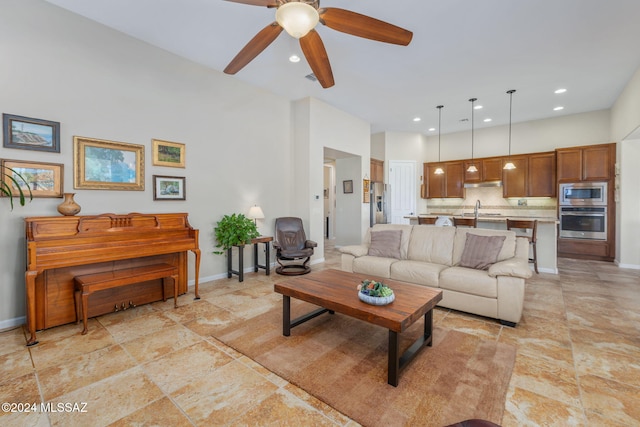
column 364, row 26
column 255, row 46
column 316, row 55
column 265, row 3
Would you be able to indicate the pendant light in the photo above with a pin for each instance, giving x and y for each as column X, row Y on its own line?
column 472, row 167
column 509, row 165
column 439, row 170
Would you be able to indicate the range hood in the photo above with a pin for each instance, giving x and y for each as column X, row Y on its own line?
column 483, row 184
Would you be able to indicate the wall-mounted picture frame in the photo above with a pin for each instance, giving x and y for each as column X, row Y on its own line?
column 99, row 164
column 44, row 179
column 27, row 133
column 169, row 187
column 347, row 186
column 167, row 153
column 366, row 196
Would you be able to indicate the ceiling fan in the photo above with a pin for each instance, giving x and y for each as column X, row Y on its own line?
column 299, row 18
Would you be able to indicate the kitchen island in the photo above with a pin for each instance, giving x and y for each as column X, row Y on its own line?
column 547, row 235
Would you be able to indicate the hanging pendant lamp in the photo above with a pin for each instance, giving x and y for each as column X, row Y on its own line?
column 472, row 167
column 439, row 170
column 509, row 165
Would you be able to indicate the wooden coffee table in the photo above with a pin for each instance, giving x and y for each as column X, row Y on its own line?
column 335, row 291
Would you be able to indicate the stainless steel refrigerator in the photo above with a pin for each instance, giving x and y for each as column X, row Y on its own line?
column 378, row 203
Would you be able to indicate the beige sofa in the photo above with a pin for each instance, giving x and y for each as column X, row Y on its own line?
column 433, row 256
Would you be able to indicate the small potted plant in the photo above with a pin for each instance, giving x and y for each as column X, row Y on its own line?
column 18, row 183
column 234, row 230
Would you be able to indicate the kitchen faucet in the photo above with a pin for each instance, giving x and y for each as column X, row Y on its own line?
column 475, row 210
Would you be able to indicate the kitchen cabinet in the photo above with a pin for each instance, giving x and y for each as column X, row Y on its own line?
column 377, row 170
column 586, row 163
column 446, row 185
column 534, row 176
column 542, row 175
column 514, row 181
column 489, row 169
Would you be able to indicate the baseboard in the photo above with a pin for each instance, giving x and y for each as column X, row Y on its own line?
column 12, row 323
column 629, row 266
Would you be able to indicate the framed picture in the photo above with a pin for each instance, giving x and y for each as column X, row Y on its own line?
column 166, row 153
column 30, row 134
column 44, row 179
column 107, row 165
column 347, row 186
column 169, row 187
column 365, row 191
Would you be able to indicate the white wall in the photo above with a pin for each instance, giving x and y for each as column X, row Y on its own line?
column 319, row 126
column 625, row 127
column 102, row 84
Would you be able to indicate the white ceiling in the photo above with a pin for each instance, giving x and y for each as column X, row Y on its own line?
column 460, row 49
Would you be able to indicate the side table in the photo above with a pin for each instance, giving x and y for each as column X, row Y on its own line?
column 266, row 240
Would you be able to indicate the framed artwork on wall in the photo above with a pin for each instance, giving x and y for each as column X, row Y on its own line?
column 30, row 134
column 107, row 165
column 167, row 153
column 169, row 187
column 347, row 186
column 44, row 179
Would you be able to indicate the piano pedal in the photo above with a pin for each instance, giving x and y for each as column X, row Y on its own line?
column 131, row 305
column 124, row 307
column 116, row 308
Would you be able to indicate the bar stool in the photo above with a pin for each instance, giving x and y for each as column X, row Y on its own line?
column 525, row 225
column 465, row 222
column 423, row 220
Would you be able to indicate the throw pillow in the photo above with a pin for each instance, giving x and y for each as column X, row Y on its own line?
column 385, row 243
column 481, row 251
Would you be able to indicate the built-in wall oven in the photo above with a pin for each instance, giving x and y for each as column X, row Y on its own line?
column 583, row 210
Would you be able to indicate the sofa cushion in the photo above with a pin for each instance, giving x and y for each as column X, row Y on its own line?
column 385, row 243
column 404, row 242
column 470, row 281
column 373, row 265
column 480, row 252
column 418, row 272
column 508, row 247
column 432, row 244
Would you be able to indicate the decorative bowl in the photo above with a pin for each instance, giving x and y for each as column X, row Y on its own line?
column 376, row 300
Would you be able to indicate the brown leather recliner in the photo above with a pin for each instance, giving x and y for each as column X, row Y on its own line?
column 291, row 244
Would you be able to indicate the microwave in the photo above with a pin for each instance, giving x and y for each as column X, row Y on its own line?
column 583, row 194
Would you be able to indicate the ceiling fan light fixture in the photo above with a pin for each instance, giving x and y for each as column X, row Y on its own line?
column 297, row 18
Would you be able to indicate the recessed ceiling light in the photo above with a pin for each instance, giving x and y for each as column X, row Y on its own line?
column 558, row 108
column 416, row 119
column 487, row 120
column 560, row 91
column 477, row 107
column 432, row 129
column 294, row 58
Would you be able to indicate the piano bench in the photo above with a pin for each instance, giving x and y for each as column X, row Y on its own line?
column 87, row 284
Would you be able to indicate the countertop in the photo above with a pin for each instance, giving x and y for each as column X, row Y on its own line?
column 490, row 217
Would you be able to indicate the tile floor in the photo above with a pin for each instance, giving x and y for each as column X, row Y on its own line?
column 577, row 365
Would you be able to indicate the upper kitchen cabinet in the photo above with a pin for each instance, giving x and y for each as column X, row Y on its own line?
column 542, row 175
column 534, row 176
column 446, row 185
column 377, row 170
column 514, row 181
column 489, row 169
column 586, row 163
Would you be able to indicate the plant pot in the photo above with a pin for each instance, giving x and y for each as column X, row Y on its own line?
column 69, row 207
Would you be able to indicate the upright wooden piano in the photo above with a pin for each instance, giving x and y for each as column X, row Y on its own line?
column 60, row 248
